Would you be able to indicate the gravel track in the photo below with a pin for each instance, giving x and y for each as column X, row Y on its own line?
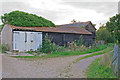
column 42, row 68
column 78, row 70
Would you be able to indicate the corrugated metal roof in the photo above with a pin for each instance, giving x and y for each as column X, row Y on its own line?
column 60, row 29
column 77, row 24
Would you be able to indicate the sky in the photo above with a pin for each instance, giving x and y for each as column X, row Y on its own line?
column 63, row 11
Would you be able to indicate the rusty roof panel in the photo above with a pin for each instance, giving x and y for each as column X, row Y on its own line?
column 77, row 24
column 60, row 29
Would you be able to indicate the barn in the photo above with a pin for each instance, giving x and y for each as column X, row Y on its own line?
column 30, row 38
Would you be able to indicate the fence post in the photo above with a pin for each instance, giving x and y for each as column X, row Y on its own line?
column 118, row 61
column 115, row 61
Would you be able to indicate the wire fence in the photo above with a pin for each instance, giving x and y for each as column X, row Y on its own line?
column 116, row 59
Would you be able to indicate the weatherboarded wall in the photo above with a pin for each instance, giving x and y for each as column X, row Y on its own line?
column 91, row 29
column 6, row 36
column 63, row 38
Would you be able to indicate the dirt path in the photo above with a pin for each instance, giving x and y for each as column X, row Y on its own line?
column 77, row 70
column 42, row 68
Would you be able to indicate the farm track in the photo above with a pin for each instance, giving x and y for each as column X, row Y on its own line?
column 44, row 68
column 78, row 69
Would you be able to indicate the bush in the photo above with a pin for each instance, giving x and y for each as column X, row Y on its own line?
column 4, row 48
column 80, row 41
column 30, row 52
column 48, row 46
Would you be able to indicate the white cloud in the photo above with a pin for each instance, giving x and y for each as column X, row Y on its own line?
column 56, row 11
column 65, row 13
column 82, row 15
column 48, row 4
column 91, row 0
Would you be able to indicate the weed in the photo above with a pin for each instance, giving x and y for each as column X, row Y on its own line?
column 99, row 69
column 4, row 48
column 48, row 46
column 71, row 75
column 30, row 52
column 70, row 52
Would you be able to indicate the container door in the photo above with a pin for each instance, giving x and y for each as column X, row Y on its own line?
column 30, row 41
column 22, row 41
column 37, row 40
column 16, row 40
column 26, row 41
column 19, row 41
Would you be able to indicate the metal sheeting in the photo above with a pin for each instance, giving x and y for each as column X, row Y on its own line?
column 26, row 41
column 60, row 29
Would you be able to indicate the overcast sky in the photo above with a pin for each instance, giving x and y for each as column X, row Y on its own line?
column 63, row 11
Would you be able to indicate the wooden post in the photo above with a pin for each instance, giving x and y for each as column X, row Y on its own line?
column 115, row 61
column 118, row 62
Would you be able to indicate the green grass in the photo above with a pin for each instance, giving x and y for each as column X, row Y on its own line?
column 98, row 53
column 98, row 70
column 3, row 48
column 77, row 52
column 68, row 53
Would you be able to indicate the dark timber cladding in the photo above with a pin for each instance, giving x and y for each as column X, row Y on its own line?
column 63, row 38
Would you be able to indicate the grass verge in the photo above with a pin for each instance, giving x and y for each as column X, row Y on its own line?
column 99, row 53
column 100, row 68
column 66, row 70
column 67, row 53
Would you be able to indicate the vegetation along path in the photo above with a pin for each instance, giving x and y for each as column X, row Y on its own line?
column 71, row 66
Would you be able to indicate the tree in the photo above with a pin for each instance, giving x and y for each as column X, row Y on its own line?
column 19, row 18
column 73, row 21
column 103, row 34
column 113, row 26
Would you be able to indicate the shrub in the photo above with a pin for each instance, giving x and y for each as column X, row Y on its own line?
column 80, row 41
column 30, row 52
column 72, row 45
column 4, row 48
column 48, row 46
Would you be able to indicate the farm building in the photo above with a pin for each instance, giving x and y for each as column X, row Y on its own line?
column 30, row 38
